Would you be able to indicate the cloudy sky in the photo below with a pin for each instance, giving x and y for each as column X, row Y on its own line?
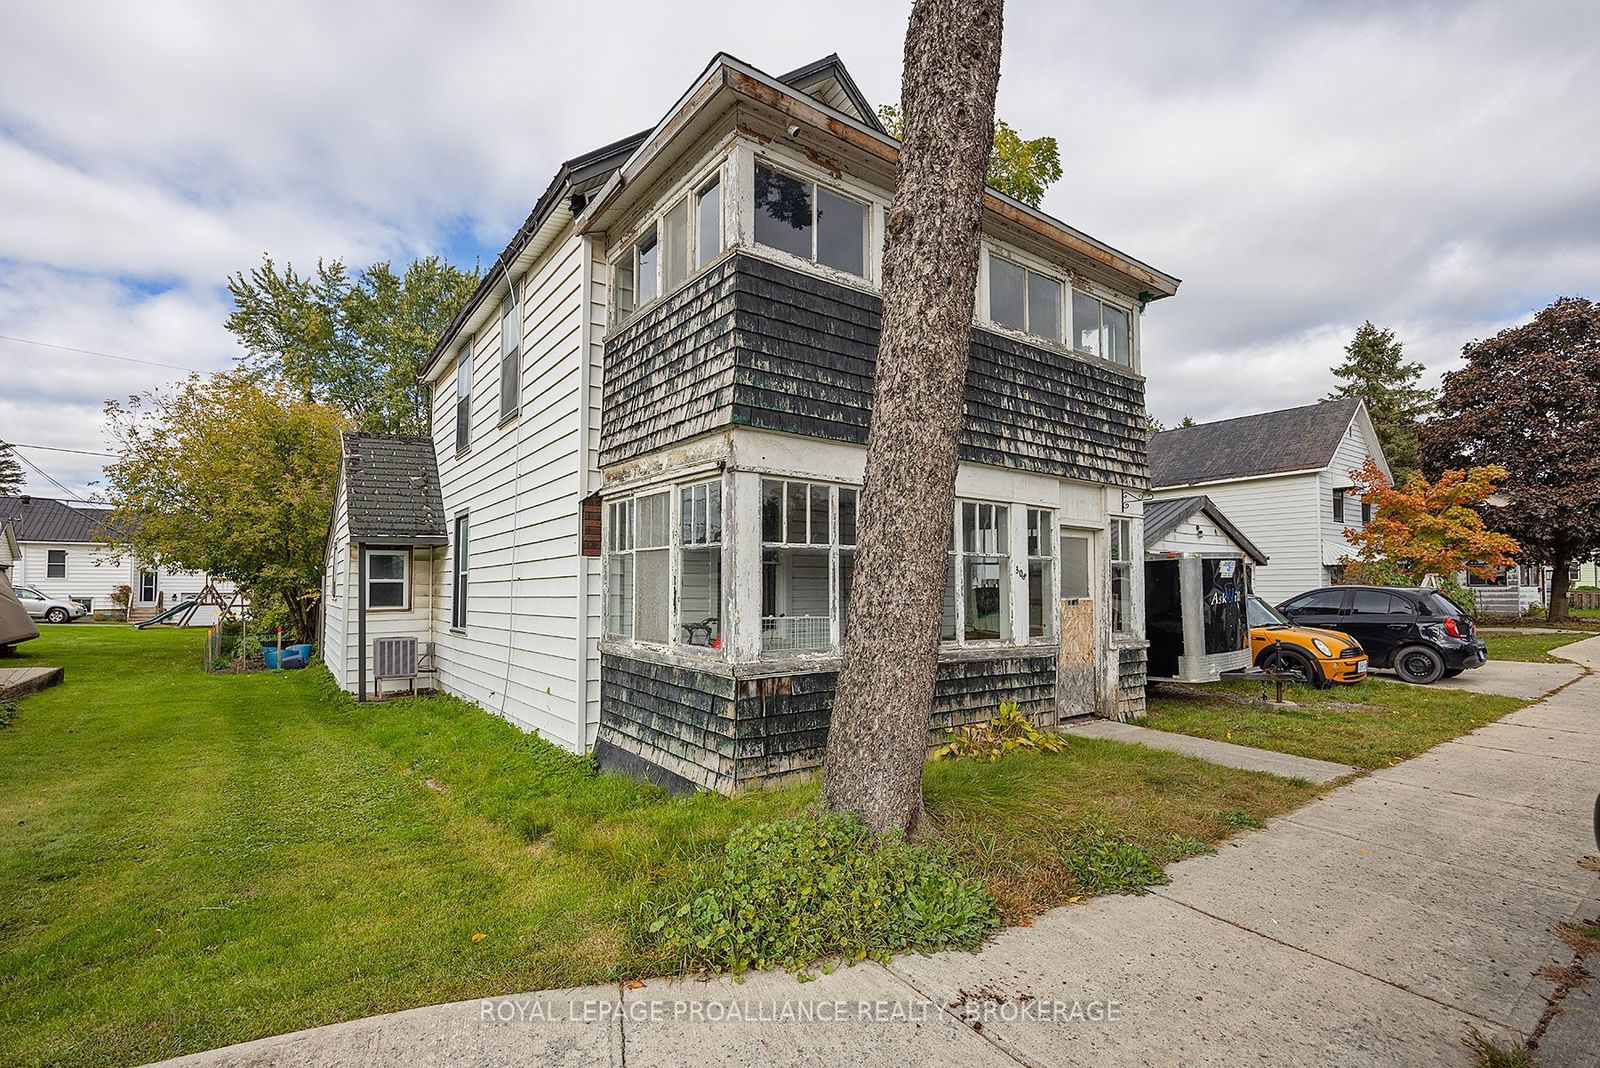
column 1430, row 166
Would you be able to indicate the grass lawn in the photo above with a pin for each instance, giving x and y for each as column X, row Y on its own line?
column 1530, row 648
column 1373, row 724
column 189, row 860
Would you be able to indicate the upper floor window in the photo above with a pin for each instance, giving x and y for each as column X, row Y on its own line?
column 688, row 231
column 1024, row 300
column 55, row 563
column 802, row 218
column 464, row 398
column 510, row 357
column 1100, row 329
column 1338, row 506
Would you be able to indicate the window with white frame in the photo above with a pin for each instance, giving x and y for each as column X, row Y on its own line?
column 1100, row 329
column 1121, row 556
column 1023, row 299
column 700, row 606
column 1041, row 577
column 464, row 398
column 811, row 221
column 977, row 601
column 619, row 569
column 639, row 568
column 800, row 568
column 389, row 578
column 510, row 356
column 1075, row 565
column 458, row 577
column 55, row 563
column 688, row 231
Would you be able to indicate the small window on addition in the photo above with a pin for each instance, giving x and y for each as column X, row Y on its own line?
column 388, row 578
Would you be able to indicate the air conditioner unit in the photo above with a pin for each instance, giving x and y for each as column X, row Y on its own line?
column 394, row 658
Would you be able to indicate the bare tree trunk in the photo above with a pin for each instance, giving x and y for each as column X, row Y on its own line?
column 1560, row 583
column 878, row 739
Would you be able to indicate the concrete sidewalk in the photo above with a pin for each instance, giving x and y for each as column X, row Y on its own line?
column 1234, row 756
column 1372, row 927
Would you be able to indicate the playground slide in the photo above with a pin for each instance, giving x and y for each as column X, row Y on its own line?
column 180, row 607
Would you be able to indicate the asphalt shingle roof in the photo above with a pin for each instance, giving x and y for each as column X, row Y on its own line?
column 392, row 489
column 1294, row 439
column 1163, row 517
column 47, row 519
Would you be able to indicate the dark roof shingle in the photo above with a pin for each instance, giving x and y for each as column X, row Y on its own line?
column 1270, row 443
column 392, row 489
column 47, row 519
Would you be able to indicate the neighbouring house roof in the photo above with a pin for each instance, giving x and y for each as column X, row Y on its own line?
column 1163, row 517
column 47, row 519
column 1269, row 443
column 392, row 489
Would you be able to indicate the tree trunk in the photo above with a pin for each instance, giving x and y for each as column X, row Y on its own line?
column 1560, row 583
column 878, row 739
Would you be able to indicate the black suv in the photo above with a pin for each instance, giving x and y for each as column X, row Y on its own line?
column 1422, row 634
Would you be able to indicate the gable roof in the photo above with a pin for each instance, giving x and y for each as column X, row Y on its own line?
column 827, row 80
column 47, row 519
column 392, row 489
column 1163, row 517
column 1269, row 443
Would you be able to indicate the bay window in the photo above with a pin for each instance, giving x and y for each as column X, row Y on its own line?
column 804, row 219
column 1101, row 329
column 1023, row 299
column 1121, row 556
column 700, row 609
column 1041, row 567
column 977, row 600
column 808, row 538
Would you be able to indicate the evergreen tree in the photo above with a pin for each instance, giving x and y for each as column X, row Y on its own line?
column 1376, row 371
column 11, row 477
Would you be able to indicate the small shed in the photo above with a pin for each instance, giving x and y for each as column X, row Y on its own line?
column 1197, row 568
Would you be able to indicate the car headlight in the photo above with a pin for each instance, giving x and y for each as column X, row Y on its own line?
column 1321, row 646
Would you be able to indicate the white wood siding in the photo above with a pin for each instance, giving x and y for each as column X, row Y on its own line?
column 1197, row 534
column 336, row 593
column 1352, row 452
column 94, row 574
column 1280, row 516
column 414, row 622
column 519, row 653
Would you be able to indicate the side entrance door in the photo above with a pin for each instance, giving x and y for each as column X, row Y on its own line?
column 147, row 587
column 1075, row 667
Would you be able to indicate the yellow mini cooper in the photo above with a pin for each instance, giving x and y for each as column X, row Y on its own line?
column 1321, row 657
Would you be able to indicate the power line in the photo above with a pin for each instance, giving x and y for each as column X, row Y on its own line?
column 47, row 477
column 56, row 448
column 95, row 352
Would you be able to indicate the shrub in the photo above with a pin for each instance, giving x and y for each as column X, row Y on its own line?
column 792, row 892
column 8, row 712
column 1007, row 732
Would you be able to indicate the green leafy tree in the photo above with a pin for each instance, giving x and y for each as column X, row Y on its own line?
column 1528, row 399
column 230, row 476
column 1375, row 370
column 11, row 476
column 355, row 343
column 1018, row 167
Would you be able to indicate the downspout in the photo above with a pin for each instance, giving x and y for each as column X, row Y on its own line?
column 361, row 621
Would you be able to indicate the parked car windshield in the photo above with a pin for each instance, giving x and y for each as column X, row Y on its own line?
column 1263, row 614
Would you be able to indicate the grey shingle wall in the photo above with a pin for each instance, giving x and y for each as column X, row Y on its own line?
column 754, row 344
column 720, row 733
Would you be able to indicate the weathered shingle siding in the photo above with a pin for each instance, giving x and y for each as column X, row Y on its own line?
column 669, row 373
column 724, row 734
column 755, row 344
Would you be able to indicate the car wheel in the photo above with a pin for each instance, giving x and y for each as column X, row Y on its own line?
column 57, row 615
column 1451, row 673
column 1419, row 665
column 1294, row 663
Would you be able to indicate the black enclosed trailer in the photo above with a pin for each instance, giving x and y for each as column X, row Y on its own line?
column 1197, row 568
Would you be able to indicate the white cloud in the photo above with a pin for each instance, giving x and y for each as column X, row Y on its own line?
column 1302, row 166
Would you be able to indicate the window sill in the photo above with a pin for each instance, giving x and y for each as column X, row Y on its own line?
column 507, row 420
column 391, row 608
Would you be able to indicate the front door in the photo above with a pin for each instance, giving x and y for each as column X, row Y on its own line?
column 147, row 587
column 1075, row 667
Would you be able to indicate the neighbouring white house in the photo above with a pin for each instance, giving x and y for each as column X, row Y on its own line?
column 649, row 428
column 1284, row 479
column 70, row 550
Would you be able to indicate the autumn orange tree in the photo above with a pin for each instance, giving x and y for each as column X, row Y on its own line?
column 1423, row 528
